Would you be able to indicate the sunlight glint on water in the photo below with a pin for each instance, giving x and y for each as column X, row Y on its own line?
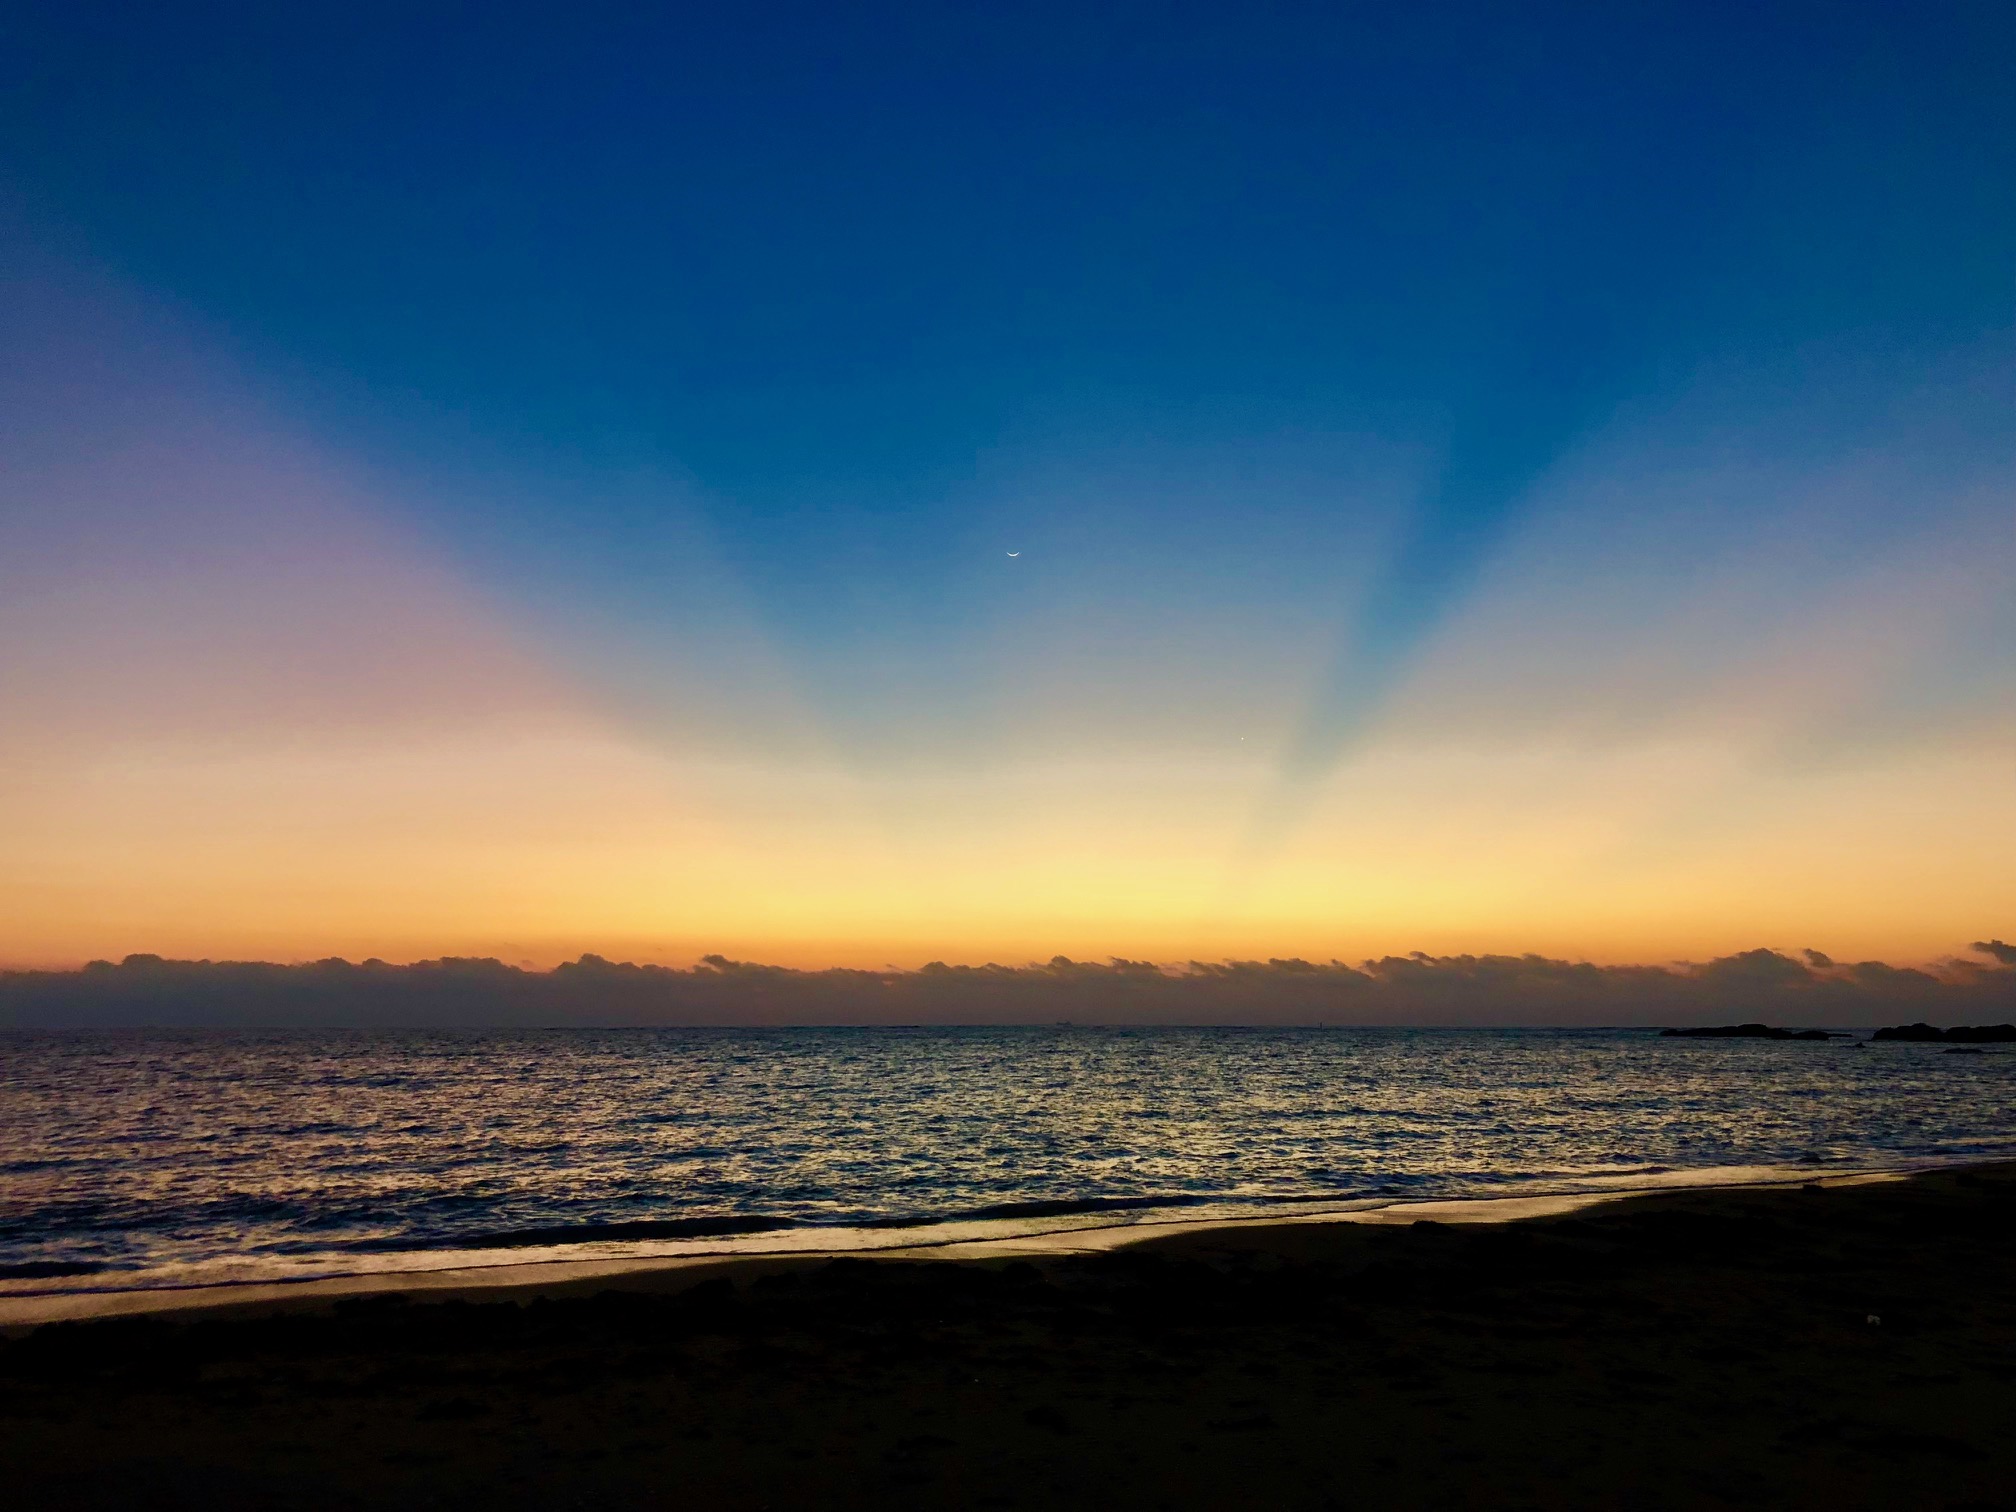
column 127, row 1151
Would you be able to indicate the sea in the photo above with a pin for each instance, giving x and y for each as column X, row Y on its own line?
column 136, row 1159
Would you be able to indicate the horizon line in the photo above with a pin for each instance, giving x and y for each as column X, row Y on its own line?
column 717, row 963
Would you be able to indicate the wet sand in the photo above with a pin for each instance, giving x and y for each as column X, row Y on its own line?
column 1682, row 1349
column 484, row 1275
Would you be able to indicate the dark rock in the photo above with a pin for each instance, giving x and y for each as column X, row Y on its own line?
column 1961, row 1034
column 1748, row 1031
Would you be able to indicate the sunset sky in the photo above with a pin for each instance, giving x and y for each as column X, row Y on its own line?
column 860, row 485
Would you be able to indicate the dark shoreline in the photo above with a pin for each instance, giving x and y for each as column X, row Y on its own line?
column 1690, row 1349
column 554, row 1264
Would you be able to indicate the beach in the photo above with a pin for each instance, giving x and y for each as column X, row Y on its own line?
column 1836, row 1343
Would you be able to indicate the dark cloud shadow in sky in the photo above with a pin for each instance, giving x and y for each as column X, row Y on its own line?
column 1553, row 380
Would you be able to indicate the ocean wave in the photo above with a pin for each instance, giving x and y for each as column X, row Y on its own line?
column 286, row 1153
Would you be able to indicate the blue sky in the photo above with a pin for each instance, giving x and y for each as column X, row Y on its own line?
column 1249, row 326
column 821, row 259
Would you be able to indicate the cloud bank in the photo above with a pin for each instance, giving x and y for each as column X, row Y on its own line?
column 1809, row 990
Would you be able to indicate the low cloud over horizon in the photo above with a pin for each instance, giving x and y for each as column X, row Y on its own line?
column 1807, row 990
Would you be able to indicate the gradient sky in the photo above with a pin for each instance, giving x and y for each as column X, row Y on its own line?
column 1486, row 477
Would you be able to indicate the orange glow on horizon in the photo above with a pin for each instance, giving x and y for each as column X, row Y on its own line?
column 248, row 716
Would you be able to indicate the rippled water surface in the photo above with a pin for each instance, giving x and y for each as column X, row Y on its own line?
column 130, row 1150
